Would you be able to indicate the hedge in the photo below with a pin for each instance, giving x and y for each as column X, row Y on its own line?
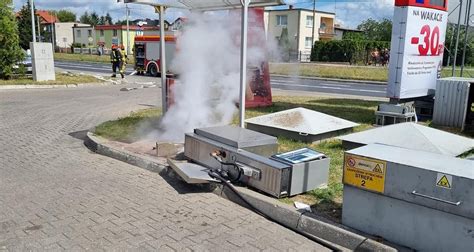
column 352, row 51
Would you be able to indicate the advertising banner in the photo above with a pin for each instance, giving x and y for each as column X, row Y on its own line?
column 417, row 48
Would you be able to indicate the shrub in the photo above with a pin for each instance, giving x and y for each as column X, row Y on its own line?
column 352, row 51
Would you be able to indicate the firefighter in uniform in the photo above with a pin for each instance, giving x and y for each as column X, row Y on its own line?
column 123, row 62
column 115, row 59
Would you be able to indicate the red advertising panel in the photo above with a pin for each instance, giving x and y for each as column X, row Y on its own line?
column 432, row 4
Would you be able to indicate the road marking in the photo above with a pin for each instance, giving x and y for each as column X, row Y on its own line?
column 322, row 84
column 325, row 87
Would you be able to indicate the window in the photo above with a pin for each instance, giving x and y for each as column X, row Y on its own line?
column 90, row 33
column 282, row 20
column 309, row 21
column 307, row 42
column 101, row 33
column 115, row 33
column 78, row 32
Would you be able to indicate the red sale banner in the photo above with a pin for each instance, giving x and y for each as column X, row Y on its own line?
column 416, row 51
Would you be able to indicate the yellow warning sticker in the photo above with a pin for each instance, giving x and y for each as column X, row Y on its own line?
column 366, row 173
column 444, row 181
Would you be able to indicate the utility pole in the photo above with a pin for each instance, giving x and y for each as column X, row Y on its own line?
column 453, row 72
column 314, row 22
column 452, row 37
column 39, row 28
column 468, row 16
column 33, row 20
column 128, row 29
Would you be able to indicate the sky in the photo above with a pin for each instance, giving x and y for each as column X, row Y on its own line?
column 349, row 13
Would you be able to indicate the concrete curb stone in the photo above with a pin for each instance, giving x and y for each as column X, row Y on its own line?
column 343, row 237
column 331, row 79
column 16, row 87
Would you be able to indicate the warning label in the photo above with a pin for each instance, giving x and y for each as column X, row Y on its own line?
column 366, row 173
column 444, row 180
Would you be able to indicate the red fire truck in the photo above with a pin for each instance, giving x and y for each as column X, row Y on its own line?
column 147, row 53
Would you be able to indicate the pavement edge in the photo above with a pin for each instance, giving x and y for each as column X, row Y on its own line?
column 343, row 237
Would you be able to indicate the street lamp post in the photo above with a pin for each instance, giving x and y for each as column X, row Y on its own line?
column 468, row 16
column 33, row 20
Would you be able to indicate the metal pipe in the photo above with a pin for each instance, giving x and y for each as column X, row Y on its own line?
column 164, row 88
column 453, row 72
column 243, row 61
column 39, row 28
column 33, row 20
column 314, row 22
column 465, row 36
column 128, row 29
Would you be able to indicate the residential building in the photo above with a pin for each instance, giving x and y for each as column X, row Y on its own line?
column 54, row 31
column 177, row 25
column 299, row 23
column 340, row 32
column 107, row 35
column 85, row 35
column 64, row 34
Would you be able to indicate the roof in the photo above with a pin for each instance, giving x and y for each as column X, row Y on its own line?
column 46, row 16
column 205, row 5
column 415, row 137
column 124, row 27
column 347, row 29
column 301, row 9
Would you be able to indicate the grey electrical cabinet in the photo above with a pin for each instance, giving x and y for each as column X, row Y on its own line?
column 418, row 199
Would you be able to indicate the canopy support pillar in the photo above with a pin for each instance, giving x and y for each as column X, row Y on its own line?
column 243, row 61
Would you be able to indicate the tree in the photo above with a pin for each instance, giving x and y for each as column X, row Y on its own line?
column 102, row 20
column 108, row 19
column 376, row 30
column 10, row 51
column 24, row 25
column 94, row 19
column 121, row 22
column 85, row 18
column 450, row 47
column 65, row 16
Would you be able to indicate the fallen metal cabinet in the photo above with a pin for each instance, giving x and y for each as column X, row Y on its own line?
column 280, row 175
column 418, row 199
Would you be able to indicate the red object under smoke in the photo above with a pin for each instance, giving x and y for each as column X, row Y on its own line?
column 258, row 91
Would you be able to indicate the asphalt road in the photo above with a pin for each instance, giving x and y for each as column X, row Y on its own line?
column 283, row 83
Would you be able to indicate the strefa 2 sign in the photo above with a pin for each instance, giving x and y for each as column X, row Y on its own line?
column 416, row 58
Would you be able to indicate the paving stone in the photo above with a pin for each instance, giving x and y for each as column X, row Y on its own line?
column 56, row 194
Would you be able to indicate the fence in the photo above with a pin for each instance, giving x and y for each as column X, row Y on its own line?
column 90, row 51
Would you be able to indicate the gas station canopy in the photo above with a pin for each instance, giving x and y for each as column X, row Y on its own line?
column 205, row 5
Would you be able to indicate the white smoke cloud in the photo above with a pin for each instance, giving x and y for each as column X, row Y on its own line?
column 208, row 64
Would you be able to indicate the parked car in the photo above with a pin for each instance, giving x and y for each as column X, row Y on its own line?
column 26, row 63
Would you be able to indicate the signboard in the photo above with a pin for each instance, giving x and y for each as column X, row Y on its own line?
column 417, row 48
column 365, row 173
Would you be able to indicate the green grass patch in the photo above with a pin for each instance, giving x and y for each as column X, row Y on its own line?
column 327, row 201
column 88, row 58
column 125, row 129
column 61, row 79
column 368, row 73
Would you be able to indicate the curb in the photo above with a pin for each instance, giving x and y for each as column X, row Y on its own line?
column 15, row 87
column 330, row 79
column 345, row 238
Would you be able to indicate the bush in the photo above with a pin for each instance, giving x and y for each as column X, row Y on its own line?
column 352, row 51
column 10, row 51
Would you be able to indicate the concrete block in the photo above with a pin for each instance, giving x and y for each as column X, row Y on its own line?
column 42, row 61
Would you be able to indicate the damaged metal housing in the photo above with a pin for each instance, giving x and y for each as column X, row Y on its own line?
column 273, row 175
